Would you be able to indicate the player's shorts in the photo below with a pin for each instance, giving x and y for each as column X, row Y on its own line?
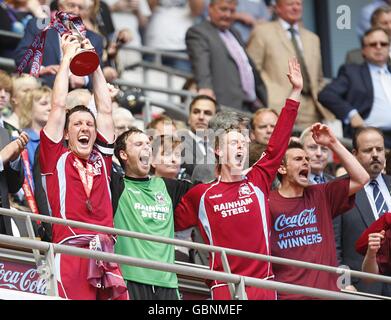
column 141, row 291
column 221, row 292
column 72, row 272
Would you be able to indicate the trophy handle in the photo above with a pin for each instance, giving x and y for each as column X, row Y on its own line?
column 85, row 61
column 73, row 28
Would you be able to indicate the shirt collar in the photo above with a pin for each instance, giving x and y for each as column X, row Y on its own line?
column 378, row 179
column 33, row 136
column 376, row 68
column 312, row 175
column 285, row 25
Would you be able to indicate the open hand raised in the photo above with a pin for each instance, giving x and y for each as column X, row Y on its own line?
column 323, row 135
column 294, row 74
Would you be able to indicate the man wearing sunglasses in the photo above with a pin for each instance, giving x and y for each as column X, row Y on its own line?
column 381, row 17
column 360, row 96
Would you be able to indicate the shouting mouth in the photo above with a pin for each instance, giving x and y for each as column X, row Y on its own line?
column 303, row 174
column 144, row 159
column 239, row 158
column 84, row 140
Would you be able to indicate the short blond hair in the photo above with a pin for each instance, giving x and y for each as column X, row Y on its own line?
column 75, row 98
column 28, row 100
column 18, row 81
column 305, row 133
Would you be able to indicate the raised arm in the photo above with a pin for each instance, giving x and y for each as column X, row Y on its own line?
column 295, row 78
column 54, row 128
column 374, row 242
column 104, row 119
column 13, row 149
column 278, row 143
column 323, row 135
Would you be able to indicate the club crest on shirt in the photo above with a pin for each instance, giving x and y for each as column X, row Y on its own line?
column 159, row 197
column 97, row 167
column 96, row 162
column 244, row 190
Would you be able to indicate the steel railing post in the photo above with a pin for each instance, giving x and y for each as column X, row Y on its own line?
column 31, row 233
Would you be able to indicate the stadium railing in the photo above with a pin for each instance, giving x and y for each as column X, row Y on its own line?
column 43, row 253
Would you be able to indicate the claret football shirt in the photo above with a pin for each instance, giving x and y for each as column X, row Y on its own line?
column 65, row 192
column 302, row 229
column 236, row 214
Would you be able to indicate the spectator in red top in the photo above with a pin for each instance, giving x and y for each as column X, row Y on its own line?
column 375, row 244
column 302, row 214
column 77, row 183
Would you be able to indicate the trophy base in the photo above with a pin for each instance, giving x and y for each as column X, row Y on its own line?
column 84, row 63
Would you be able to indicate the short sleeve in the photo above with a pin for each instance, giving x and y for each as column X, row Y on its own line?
column 49, row 153
column 186, row 212
column 337, row 194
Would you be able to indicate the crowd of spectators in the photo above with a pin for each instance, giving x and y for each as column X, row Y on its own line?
column 252, row 155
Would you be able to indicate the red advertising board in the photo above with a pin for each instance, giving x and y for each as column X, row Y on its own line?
column 21, row 277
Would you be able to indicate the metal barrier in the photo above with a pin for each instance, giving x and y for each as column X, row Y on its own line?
column 174, row 110
column 237, row 281
column 10, row 34
column 188, row 95
column 7, row 64
column 157, row 64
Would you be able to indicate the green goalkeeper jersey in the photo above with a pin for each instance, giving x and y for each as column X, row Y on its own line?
column 147, row 206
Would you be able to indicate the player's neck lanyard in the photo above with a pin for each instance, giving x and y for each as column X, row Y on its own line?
column 86, row 175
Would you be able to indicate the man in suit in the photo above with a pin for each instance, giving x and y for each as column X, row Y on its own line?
column 380, row 18
column 360, row 95
column 198, row 151
column 221, row 66
column 319, row 157
column 273, row 43
column 11, row 179
column 52, row 53
column 371, row 202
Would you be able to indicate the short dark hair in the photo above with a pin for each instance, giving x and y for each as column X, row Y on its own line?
column 360, row 131
column 377, row 13
column 120, row 143
column 203, row 97
column 255, row 151
column 78, row 108
column 292, row 145
column 369, row 32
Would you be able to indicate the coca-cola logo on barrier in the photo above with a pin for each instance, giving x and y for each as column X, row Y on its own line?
column 21, row 277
